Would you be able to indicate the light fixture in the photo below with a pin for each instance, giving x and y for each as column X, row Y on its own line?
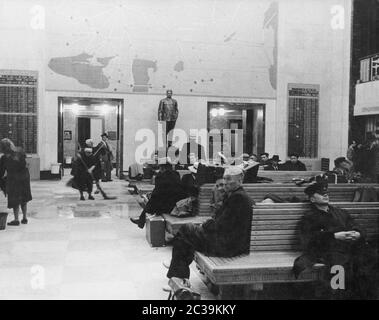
column 214, row 112
column 221, row 111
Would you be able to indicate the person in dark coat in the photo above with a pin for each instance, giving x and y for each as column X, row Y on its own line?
column 226, row 235
column 106, row 157
column 167, row 192
column 264, row 159
column 17, row 185
column 294, row 164
column 329, row 235
column 189, row 181
column 274, row 164
column 82, row 170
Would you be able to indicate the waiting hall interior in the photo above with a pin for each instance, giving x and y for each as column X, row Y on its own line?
column 189, row 150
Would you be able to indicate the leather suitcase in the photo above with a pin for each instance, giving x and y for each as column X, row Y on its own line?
column 155, row 231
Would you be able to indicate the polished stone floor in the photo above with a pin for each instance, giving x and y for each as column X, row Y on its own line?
column 74, row 249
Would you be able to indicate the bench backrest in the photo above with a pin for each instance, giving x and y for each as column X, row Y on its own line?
column 287, row 176
column 343, row 192
column 275, row 226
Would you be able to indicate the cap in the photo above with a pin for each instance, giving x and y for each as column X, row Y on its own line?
column 233, row 171
column 339, row 160
column 316, row 187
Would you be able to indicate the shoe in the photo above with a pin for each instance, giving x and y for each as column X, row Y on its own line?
column 91, row 198
column 134, row 220
column 82, row 198
column 138, row 222
column 24, row 221
column 14, row 223
column 166, row 264
column 97, row 192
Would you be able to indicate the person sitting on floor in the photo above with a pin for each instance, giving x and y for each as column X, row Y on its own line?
column 226, row 235
column 167, row 192
column 330, row 235
column 293, row 164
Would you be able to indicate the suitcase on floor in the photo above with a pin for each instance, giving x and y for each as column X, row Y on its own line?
column 155, row 231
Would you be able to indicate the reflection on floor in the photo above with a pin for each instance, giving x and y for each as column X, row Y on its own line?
column 75, row 249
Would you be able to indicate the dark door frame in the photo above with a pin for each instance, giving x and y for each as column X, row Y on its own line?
column 120, row 129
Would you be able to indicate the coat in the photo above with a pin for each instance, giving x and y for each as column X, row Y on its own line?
column 317, row 230
column 168, row 110
column 289, row 166
column 189, row 185
column 80, row 170
column 167, row 192
column 228, row 234
column 17, row 185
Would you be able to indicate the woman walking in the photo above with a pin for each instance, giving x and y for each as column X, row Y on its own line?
column 13, row 162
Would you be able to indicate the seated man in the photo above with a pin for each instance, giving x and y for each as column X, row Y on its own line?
column 218, row 195
column 274, row 165
column 189, row 181
column 343, row 169
column 294, row 164
column 167, row 192
column 226, row 235
column 330, row 236
column 265, row 161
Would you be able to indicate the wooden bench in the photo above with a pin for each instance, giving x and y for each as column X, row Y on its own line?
column 287, row 176
column 338, row 193
column 274, row 245
column 343, row 192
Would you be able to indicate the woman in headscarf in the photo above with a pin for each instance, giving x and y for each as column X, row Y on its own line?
column 13, row 162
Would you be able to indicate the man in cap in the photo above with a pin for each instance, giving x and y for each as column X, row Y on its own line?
column 226, row 235
column 329, row 235
column 167, row 192
column 168, row 112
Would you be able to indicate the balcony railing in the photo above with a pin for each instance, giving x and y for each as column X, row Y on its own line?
column 369, row 68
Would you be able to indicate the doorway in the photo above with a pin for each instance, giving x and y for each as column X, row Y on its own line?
column 248, row 117
column 80, row 119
